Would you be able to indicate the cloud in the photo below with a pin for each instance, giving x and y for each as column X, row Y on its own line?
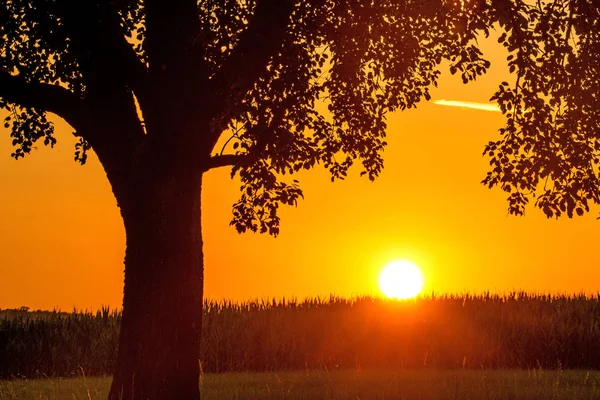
column 468, row 104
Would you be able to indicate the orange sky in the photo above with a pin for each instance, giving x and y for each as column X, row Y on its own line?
column 63, row 241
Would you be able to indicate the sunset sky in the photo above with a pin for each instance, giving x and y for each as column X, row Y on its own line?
column 63, row 241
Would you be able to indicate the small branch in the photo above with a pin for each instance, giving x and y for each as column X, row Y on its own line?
column 52, row 98
column 233, row 136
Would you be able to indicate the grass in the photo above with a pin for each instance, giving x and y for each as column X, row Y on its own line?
column 512, row 331
column 347, row 385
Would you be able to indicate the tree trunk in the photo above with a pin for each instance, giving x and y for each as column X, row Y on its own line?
column 162, row 305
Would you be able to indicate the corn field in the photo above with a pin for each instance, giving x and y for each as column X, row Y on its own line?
column 517, row 330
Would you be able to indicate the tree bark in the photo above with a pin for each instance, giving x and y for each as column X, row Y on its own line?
column 162, row 306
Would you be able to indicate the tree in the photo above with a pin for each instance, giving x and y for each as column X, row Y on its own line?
column 153, row 86
column 550, row 147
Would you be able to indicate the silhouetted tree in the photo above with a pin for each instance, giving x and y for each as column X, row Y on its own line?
column 550, row 146
column 153, row 85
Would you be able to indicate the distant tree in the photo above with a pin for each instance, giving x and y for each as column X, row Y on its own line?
column 152, row 86
column 550, row 146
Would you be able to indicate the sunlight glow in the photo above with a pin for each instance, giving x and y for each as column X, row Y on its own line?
column 468, row 104
column 401, row 279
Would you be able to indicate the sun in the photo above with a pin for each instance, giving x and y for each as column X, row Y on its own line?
column 401, row 279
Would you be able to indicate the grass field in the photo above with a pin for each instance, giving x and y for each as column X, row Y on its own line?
column 514, row 331
column 347, row 385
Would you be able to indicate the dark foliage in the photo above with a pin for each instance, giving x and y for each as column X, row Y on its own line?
column 550, row 146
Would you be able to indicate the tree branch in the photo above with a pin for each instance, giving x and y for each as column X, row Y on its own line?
column 52, row 98
column 111, row 71
column 261, row 40
column 258, row 44
column 224, row 160
column 107, row 61
column 172, row 27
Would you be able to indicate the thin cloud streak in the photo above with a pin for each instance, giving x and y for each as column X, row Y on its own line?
column 468, row 104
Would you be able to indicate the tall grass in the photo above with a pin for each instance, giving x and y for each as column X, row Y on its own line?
column 517, row 330
column 58, row 344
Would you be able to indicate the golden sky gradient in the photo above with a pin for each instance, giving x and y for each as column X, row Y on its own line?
column 63, row 240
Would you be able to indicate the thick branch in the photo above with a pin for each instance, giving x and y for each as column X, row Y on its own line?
column 224, row 160
column 172, row 27
column 111, row 72
column 113, row 151
column 107, row 61
column 176, row 65
column 258, row 44
column 52, row 98
column 261, row 40
column 113, row 44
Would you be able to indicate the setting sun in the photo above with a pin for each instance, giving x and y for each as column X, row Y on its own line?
column 401, row 279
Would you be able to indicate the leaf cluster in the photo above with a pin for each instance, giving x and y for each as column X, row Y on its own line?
column 549, row 149
column 324, row 97
column 36, row 44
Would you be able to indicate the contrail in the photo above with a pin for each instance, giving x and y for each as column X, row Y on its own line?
column 468, row 104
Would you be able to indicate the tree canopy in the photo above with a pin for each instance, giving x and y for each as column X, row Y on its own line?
column 294, row 83
column 550, row 147
column 318, row 78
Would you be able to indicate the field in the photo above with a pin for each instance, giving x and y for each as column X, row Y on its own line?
column 347, row 385
column 516, row 331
